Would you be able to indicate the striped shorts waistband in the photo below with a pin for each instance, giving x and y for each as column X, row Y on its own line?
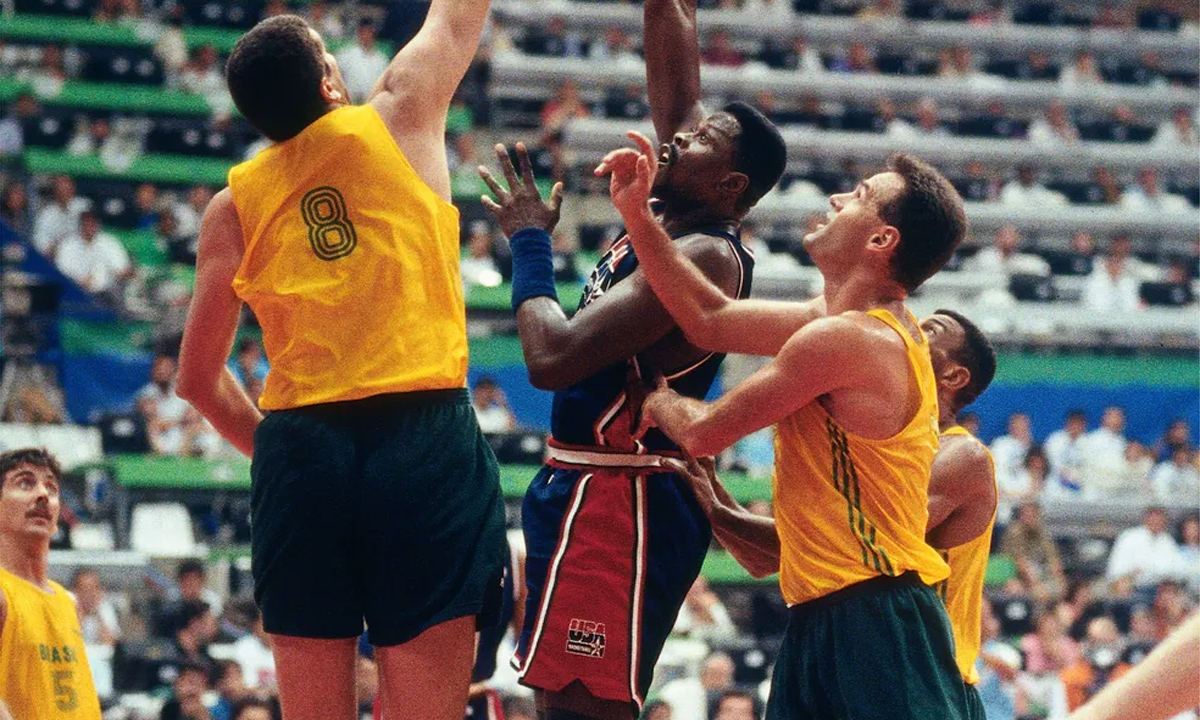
column 585, row 457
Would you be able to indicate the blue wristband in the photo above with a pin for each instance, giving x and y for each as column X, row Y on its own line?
column 533, row 266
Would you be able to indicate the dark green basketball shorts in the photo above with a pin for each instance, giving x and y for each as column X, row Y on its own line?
column 385, row 510
column 877, row 650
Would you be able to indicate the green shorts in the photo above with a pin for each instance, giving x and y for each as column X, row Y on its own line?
column 877, row 650
column 975, row 709
column 385, row 510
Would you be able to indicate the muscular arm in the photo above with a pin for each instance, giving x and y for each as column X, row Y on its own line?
column 749, row 538
column 627, row 319
column 822, row 357
column 962, row 493
column 672, row 66
column 414, row 93
column 710, row 318
column 204, row 379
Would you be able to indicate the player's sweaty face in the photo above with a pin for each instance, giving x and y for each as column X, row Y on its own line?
column 853, row 217
column 332, row 71
column 693, row 162
column 945, row 337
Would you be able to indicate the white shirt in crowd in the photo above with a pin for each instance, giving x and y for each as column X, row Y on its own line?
column 1135, row 198
column 94, row 265
column 1104, row 449
column 1152, row 557
column 54, row 223
column 1033, row 196
column 1065, row 457
column 173, row 409
column 989, row 260
column 360, row 69
column 1105, row 294
column 256, row 661
column 495, row 419
column 1174, row 482
column 1008, row 454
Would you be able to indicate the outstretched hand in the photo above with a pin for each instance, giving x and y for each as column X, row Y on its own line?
column 521, row 205
column 632, row 174
column 701, row 473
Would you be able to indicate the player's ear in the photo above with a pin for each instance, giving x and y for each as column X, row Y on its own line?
column 735, row 183
column 886, row 238
column 955, row 377
column 330, row 93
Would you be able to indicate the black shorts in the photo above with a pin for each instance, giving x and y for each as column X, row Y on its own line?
column 386, row 510
column 877, row 650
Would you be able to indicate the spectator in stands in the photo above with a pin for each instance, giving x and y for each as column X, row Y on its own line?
column 1030, row 546
column 976, row 184
column 48, row 78
column 1065, row 452
column 1081, row 72
column 1178, row 435
column 858, row 59
column 721, row 52
column 1105, row 189
column 188, row 214
column 1139, row 463
column 703, row 615
column 1053, row 128
column 1149, row 196
column 145, row 203
column 958, row 63
column 1098, row 663
column 326, row 19
column 1143, row 556
column 479, row 265
column 798, row 55
column 1002, row 259
column 1179, row 131
column 1177, row 480
column 1104, row 451
column 14, row 207
column 491, row 407
column 689, row 697
column 1048, row 649
column 1026, row 190
column 927, row 123
column 361, row 62
column 253, row 654
column 171, row 49
column 231, row 689
column 653, row 710
column 253, row 709
column 196, row 631
column 881, row 10
column 615, row 48
column 95, row 260
column 100, row 627
column 1009, row 450
column 1083, row 251
column 1037, row 67
column 1113, row 285
column 1171, row 606
column 59, row 218
column 171, row 424
column 998, row 666
column 12, row 127
column 187, row 697
column 116, row 11
column 249, row 366
column 1113, row 15
column 203, row 76
column 464, row 176
column 736, row 705
column 1188, row 535
column 554, row 40
column 566, row 105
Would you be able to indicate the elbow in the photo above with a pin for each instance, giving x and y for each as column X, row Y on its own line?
column 191, row 387
column 547, row 375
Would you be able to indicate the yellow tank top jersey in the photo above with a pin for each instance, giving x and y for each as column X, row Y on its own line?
column 351, row 266
column 44, row 671
column 962, row 592
column 849, row 508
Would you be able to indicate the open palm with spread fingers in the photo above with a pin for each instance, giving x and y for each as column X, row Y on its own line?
column 632, row 174
column 521, row 205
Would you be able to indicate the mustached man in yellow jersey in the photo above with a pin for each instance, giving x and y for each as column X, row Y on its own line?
column 854, row 399
column 376, row 500
column 962, row 493
column 44, row 671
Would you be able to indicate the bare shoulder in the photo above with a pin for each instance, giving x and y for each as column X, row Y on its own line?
column 708, row 251
column 971, row 462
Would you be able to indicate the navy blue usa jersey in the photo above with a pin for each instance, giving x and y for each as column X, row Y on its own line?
column 603, row 410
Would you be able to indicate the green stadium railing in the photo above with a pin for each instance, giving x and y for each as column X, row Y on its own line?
column 149, row 474
column 173, row 169
column 114, row 97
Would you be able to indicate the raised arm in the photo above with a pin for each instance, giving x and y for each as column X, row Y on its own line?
column 822, row 357
column 625, row 320
column 962, row 493
column 414, row 93
column 672, row 66
column 205, row 379
column 709, row 317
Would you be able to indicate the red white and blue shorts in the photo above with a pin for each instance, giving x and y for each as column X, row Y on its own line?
column 613, row 544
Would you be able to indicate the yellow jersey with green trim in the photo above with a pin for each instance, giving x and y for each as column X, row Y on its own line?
column 962, row 592
column 44, row 670
column 848, row 508
column 351, row 266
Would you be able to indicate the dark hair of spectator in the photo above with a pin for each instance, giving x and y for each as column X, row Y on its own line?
column 251, row 703
column 275, row 74
column 189, row 611
column 929, row 214
column 37, row 457
column 191, row 666
column 760, row 152
column 1077, row 414
column 81, row 572
column 190, row 567
column 976, row 354
column 1190, row 517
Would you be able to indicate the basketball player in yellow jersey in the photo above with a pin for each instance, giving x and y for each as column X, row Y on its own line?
column 44, row 671
column 375, row 501
column 962, row 493
column 854, row 399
